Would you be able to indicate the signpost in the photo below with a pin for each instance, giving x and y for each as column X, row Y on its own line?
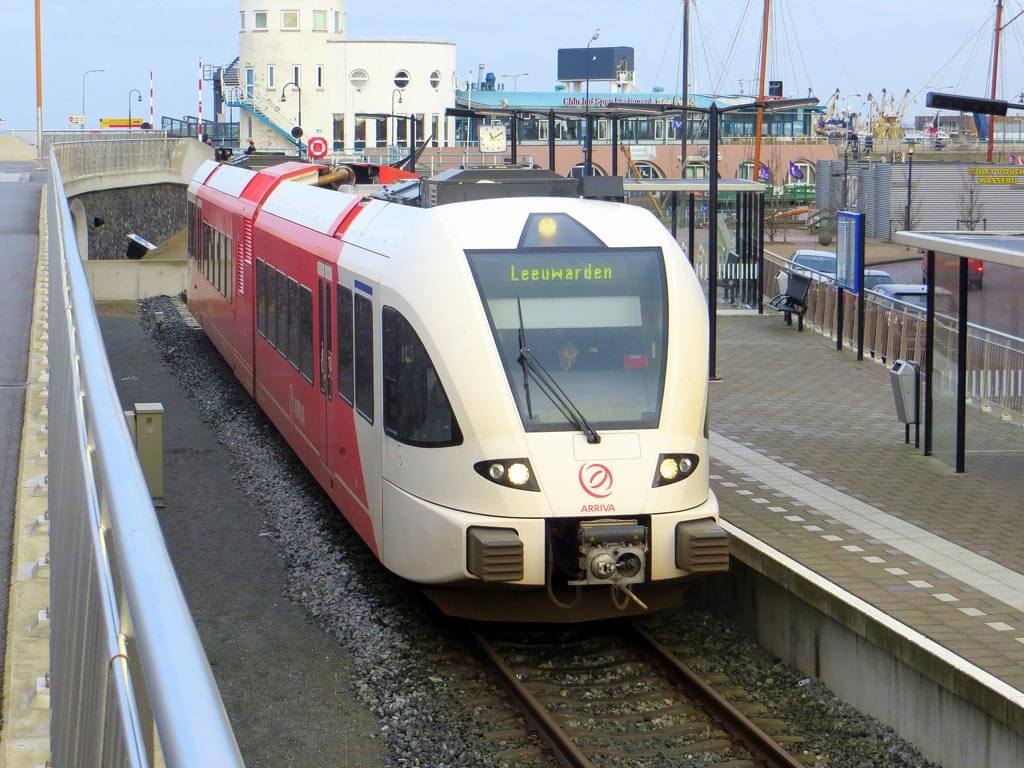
column 75, row 119
column 850, row 272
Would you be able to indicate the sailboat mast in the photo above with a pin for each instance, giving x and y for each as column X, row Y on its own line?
column 995, row 75
column 759, row 126
column 686, row 81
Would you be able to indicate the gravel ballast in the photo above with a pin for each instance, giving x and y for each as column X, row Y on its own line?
column 435, row 702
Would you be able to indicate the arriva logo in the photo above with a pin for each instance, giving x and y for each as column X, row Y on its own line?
column 596, row 480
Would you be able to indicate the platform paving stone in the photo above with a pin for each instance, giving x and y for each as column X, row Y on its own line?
column 815, row 431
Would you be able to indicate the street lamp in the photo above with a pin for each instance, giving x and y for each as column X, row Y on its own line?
column 590, row 142
column 298, row 139
column 89, row 72
column 515, row 79
column 136, row 91
column 394, row 125
column 910, row 182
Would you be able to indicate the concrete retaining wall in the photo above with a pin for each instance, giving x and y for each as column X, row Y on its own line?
column 125, row 280
column 870, row 669
column 155, row 212
column 15, row 149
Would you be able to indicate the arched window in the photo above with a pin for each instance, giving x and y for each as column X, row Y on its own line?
column 435, row 79
column 696, row 169
column 416, row 408
column 746, row 170
column 645, row 170
column 577, row 170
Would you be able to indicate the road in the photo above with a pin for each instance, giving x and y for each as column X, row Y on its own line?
column 999, row 305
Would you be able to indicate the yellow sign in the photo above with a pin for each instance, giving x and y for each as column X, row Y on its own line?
column 559, row 274
column 997, row 176
column 120, row 122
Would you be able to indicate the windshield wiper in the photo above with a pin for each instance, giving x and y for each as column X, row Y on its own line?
column 569, row 410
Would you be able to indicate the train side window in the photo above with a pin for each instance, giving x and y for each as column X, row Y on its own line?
column 416, row 407
column 282, row 314
column 271, row 290
column 346, row 379
column 229, row 269
column 363, row 311
column 190, row 221
column 261, row 298
column 294, row 340
column 206, row 252
column 306, row 320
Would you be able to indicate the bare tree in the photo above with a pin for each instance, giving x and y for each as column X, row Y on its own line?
column 971, row 207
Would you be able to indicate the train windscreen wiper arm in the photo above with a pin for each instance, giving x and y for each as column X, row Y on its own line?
column 557, row 395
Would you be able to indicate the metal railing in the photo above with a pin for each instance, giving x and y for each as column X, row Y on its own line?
column 895, row 330
column 130, row 683
column 80, row 160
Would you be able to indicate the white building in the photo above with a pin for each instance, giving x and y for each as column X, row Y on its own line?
column 348, row 87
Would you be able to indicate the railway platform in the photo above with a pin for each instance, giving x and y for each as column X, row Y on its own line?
column 822, row 495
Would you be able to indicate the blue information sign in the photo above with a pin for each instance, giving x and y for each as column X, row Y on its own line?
column 849, row 250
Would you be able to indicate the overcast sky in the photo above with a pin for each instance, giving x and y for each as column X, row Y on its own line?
column 822, row 45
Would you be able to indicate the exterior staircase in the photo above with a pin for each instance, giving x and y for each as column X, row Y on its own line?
column 260, row 107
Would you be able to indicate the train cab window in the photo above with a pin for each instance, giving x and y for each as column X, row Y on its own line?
column 346, row 375
column 306, row 332
column 596, row 319
column 294, row 340
column 282, row 314
column 416, row 407
column 363, row 315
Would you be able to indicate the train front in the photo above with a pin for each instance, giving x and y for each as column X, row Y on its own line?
column 575, row 344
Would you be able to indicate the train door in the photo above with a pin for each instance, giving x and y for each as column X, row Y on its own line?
column 325, row 353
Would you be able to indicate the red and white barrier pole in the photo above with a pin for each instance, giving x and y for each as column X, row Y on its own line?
column 200, row 134
column 152, row 112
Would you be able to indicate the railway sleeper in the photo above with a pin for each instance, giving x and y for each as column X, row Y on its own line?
column 683, row 730
column 681, row 712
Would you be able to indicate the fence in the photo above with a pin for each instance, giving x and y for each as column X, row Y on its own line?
column 130, row 683
column 895, row 330
column 86, row 159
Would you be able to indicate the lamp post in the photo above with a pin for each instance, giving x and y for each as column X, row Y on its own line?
column 284, row 98
column 910, row 183
column 394, row 124
column 136, row 91
column 589, row 146
column 515, row 79
column 88, row 72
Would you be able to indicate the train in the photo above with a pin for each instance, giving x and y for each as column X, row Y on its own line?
column 498, row 376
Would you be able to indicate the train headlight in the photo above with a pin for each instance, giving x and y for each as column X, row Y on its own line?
column 511, row 473
column 518, row 474
column 673, row 467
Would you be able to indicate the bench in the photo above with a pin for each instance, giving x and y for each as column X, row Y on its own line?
column 794, row 300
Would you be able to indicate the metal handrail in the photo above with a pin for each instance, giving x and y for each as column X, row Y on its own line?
column 153, row 616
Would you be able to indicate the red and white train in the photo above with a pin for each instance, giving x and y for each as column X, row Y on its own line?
column 506, row 397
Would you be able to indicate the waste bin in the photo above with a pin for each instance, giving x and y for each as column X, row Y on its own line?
column 138, row 247
column 905, row 377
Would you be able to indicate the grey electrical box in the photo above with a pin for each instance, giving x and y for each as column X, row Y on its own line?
column 905, row 376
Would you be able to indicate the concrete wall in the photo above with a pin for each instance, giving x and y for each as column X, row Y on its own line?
column 15, row 149
column 871, row 669
column 125, row 280
column 154, row 212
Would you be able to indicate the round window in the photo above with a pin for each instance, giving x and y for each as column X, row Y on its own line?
column 435, row 79
column 358, row 78
column 401, row 78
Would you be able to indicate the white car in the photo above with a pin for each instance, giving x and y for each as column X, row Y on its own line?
column 916, row 296
column 821, row 265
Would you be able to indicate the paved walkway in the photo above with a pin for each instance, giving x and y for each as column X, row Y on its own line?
column 808, row 457
column 19, row 250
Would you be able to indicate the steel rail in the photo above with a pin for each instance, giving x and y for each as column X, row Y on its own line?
column 760, row 744
column 564, row 748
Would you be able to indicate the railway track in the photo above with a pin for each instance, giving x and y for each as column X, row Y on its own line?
column 623, row 698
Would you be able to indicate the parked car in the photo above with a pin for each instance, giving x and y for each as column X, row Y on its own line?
column 917, row 296
column 821, row 265
column 975, row 272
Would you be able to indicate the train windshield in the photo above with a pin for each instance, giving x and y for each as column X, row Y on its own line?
column 594, row 319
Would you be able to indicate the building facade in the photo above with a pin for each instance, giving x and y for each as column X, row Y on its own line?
column 356, row 93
